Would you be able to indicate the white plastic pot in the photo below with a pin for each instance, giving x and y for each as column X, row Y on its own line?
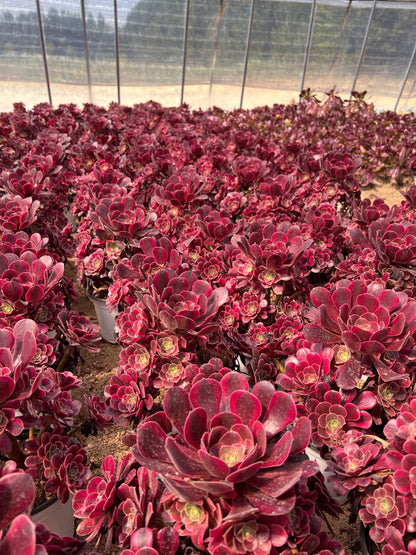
column 314, row 455
column 56, row 516
column 106, row 319
column 71, row 219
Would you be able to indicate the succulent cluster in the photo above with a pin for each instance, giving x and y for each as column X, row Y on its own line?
column 264, row 309
column 39, row 337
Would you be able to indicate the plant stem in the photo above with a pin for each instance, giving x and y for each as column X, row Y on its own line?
column 16, row 454
column 64, row 359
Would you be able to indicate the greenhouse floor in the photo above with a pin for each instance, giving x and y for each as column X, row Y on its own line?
column 197, row 96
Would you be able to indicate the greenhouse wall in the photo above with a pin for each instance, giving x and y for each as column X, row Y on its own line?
column 227, row 53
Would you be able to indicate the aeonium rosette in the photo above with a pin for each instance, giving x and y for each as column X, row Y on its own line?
column 181, row 190
column 19, row 242
column 17, row 493
column 131, row 273
column 249, row 170
column 79, row 330
column 18, row 379
column 368, row 321
column 340, row 165
column 305, row 369
column 121, row 218
column 28, row 286
column 23, row 183
column 183, row 303
column 222, row 440
column 17, row 213
column 393, row 241
column 278, row 254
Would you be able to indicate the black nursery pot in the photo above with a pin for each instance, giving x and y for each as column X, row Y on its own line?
column 368, row 547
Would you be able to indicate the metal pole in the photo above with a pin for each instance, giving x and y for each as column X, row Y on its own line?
column 308, row 45
column 406, row 75
column 87, row 56
column 45, row 58
column 185, row 49
column 117, row 54
column 340, row 39
column 370, row 20
column 412, row 88
column 250, row 26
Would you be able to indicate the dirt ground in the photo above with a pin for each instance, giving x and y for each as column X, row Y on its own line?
column 96, row 370
column 198, row 96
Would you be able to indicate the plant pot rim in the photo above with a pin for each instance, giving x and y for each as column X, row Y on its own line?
column 90, row 293
column 44, row 505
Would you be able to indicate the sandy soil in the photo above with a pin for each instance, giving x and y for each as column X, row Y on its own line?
column 197, row 96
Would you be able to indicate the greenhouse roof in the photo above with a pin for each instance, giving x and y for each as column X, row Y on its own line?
column 229, row 53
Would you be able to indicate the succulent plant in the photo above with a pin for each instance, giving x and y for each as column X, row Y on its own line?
column 340, row 165
column 17, row 493
column 183, row 303
column 17, row 213
column 369, row 321
column 120, row 218
column 29, row 286
column 60, row 461
column 212, row 233
column 228, row 441
column 79, row 330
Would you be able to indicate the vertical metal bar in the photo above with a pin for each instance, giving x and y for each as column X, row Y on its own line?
column 185, row 48
column 250, row 26
column 87, row 56
column 406, row 75
column 340, row 39
column 412, row 88
column 308, row 45
column 45, row 58
column 360, row 59
column 117, row 53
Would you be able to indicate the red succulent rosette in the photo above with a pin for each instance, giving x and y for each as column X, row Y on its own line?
column 228, row 440
column 183, row 303
column 369, row 321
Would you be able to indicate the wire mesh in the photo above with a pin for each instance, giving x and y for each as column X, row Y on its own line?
column 227, row 53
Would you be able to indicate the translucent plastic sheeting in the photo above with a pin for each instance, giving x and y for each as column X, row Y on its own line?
column 151, row 34
column 65, row 48
column 21, row 58
column 277, row 52
column 217, row 38
column 337, row 38
column 389, row 47
column 408, row 99
column 100, row 34
column 81, row 54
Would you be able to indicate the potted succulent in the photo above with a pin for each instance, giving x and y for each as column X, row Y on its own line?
column 38, row 412
column 199, row 476
column 18, row 532
column 266, row 313
column 38, row 338
column 111, row 229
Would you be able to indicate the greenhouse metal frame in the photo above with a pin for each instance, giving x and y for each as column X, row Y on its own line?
column 408, row 78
